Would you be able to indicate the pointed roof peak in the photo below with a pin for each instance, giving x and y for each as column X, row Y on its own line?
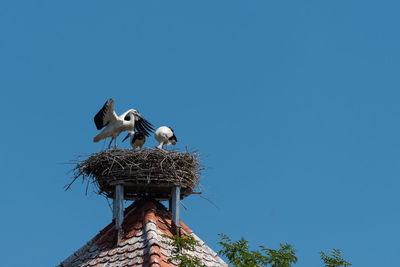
column 145, row 223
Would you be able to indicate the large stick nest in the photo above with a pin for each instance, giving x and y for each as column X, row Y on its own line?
column 143, row 173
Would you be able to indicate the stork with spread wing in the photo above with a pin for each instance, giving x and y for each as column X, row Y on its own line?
column 113, row 125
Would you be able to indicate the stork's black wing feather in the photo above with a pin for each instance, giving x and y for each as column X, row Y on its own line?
column 103, row 117
column 148, row 126
column 140, row 128
column 148, row 123
column 143, row 126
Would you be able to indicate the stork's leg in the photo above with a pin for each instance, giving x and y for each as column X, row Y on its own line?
column 109, row 145
column 115, row 139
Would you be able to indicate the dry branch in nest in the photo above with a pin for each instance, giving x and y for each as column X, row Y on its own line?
column 143, row 173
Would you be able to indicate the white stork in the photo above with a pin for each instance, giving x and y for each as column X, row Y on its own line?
column 165, row 136
column 137, row 139
column 114, row 125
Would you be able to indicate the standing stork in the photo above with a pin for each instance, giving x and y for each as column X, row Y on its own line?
column 165, row 136
column 114, row 125
column 137, row 139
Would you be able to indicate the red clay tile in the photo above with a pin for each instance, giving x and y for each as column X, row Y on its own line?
column 144, row 224
column 187, row 230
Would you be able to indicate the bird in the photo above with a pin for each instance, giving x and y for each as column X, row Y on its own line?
column 165, row 136
column 137, row 139
column 113, row 125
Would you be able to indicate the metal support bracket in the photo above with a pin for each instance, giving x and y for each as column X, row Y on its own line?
column 118, row 211
column 176, row 197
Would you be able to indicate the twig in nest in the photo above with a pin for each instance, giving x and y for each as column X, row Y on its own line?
column 148, row 167
column 210, row 202
column 183, row 205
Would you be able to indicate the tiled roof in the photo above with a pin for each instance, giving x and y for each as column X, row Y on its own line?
column 145, row 223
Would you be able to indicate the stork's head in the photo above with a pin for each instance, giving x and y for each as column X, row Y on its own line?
column 135, row 113
column 173, row 140
column 131, row 113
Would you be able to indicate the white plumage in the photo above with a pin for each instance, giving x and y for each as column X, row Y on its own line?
column 114, row 125
column 165, row 136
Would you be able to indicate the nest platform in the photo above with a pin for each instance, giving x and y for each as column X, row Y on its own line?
column 147, row 173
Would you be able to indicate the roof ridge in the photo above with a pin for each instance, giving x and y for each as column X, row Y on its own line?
column 150, row 229
column 144, row 226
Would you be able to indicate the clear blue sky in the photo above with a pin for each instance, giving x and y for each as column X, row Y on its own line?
column 293, row 104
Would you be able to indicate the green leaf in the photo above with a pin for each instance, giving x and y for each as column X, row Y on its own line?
column 239, row 254
column 334, row 259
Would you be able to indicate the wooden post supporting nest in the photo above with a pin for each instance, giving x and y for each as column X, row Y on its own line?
column 176, row 197
column 118, row 212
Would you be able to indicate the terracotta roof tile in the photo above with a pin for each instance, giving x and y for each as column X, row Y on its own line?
column 145, row 223
column 185, row 228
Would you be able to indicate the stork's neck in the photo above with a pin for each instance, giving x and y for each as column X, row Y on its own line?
column 122, row 116
column 129, row 125
column 130, row 110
